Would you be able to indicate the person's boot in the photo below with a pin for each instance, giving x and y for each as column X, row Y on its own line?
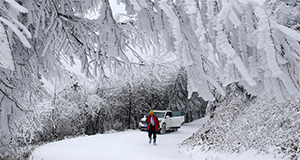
column 150, row 140
column 154, row 141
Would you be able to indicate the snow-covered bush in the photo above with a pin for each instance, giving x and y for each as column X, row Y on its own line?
column 71, row 113
column 241, row 123
column 23, row 128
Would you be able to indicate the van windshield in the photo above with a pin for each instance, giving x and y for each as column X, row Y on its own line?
column 159, row 114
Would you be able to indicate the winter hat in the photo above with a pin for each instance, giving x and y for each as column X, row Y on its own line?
column 151, row 112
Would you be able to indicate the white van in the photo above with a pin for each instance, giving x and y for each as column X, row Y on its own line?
column 168, row 120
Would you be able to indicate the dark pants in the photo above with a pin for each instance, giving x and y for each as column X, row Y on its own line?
column 152, row 131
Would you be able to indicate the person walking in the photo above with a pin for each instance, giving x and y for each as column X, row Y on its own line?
column 152, row 127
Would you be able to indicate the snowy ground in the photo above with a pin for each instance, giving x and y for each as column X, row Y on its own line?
column 131, row 145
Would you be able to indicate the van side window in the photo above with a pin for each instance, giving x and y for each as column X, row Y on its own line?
column 176, row 114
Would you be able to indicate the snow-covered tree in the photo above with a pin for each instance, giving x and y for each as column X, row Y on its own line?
column 143, row 89
column 45, row 36
column 192, row 108
column 224, row 41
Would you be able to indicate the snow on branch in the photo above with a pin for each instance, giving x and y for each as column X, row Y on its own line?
column 17, row 32
column 9, row 22
column 237, row 42
column 278, row 48
column 17, row 6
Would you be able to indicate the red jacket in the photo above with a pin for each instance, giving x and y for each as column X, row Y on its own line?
column 156, row 122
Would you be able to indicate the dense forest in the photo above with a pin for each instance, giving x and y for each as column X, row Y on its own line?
column 232, row 57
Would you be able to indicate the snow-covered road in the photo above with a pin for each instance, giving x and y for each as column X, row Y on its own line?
column 128, row 145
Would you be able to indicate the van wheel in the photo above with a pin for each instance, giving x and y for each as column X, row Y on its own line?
column 163, row 129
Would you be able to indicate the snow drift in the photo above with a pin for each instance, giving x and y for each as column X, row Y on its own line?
column 240, row 124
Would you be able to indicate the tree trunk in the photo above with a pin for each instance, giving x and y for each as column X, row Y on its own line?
column 130, row 107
